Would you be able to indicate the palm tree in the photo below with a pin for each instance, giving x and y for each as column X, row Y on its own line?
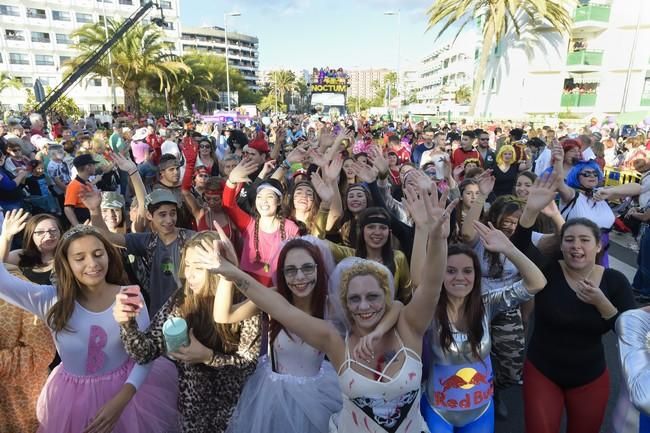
column 496, row 18
column 139, row 58
column 9, row 82
column 282, row 82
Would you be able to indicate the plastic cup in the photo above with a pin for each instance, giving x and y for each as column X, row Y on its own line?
column 175, row 332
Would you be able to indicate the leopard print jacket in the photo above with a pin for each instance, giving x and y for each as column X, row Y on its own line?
column 208, row 394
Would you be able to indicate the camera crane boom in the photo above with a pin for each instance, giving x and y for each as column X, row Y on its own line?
column 94, row 57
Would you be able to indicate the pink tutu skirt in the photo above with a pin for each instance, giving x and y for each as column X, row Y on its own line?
column 68, row 403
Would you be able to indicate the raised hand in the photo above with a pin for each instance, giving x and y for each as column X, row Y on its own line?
column 542, row 192
column 91, row 197
column 317, row 158
column 297, row 155
column 242, row 171
column 268, row 167
column 123, row 163
column 486, row 182
column 323, row 189
column 417, row 208
column 365, row 172
column 378, row 161
column 423, row 181
column 211, row 258
column 365, row 348
column 225, row 245
column 494, row 240
column 332, row 171
column 438, row 213
column 14, row 222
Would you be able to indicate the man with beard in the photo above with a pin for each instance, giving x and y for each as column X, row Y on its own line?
column 487, row 156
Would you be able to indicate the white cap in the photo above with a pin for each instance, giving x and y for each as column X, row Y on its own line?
column 140, row 134
column 170, row 147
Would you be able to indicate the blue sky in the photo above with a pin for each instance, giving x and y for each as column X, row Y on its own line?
column 297, row 34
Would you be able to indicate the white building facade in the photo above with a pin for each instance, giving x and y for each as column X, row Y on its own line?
column 445, row 71
column 243, row 50
column 601, row 68
column 35, row 42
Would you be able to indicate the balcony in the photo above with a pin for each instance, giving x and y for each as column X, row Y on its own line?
column 573, row 100
column 591, row 18
column 584, row 61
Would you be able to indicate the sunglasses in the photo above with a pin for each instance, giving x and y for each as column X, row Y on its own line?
column 205, row 146
column 589, row 173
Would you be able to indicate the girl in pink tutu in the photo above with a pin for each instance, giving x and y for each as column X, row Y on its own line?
column 96, row 388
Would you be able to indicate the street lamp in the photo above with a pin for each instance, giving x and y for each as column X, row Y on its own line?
column 399, row 78
column 225, row 28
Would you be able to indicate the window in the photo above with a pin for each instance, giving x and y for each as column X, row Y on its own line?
column 493, row 83
column 27, row 81
column 43, row 60
column 167, row 26
column 60, row 16
column 96, row 82
column 11, row 11
column 84, row 18
column 41, row 37
column 645, row 96
column 63, row 39
column 165, row 4
column 0, row 57
column 63, row 59
column 36, row 13
column 14, row 35
column 46, row 81
column 96, row 108
column 18, row 59
column 126, row 2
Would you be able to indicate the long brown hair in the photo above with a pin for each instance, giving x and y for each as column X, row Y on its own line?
column 473, row 308
column 196, row 308
column 30, row 256
column 68, row 288
column 319, row 295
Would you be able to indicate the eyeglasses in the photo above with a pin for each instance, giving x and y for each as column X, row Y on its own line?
column 52, row 232
column 204, row 146
column 589, row 173
column 291, row 272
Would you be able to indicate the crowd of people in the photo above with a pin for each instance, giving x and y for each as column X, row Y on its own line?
column 306, row 274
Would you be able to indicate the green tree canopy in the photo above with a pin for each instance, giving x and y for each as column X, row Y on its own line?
column 139, row 58
column 495, row 19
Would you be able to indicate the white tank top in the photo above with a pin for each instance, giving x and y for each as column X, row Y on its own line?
column 386, row 405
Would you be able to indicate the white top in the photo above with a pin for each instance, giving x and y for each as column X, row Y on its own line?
column 584, row 207
column 295, row 357
column 388, row 404
column 94, row 347
column 543, row 161
column 588, row 154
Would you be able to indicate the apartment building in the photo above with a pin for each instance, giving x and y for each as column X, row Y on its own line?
column 35, row 42
column 601, row 68
column 243, row 50
column 361, row 82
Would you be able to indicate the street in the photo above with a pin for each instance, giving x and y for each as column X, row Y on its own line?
column 623, row 259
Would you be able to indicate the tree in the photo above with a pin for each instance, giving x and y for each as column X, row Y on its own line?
column 139, row 58
column 281, row 82
column 463, row 95
column 363, row 105
column 64, row 105
column 268, row 103
column 9, row 82
column 496, row 18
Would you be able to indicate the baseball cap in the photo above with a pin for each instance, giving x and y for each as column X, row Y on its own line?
column 83, row 160
column 160, row 195
column 112, row 200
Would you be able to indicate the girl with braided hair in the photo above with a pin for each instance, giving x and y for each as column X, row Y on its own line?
column 263, row 233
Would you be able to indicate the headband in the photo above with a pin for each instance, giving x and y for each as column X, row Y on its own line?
column 375, row 219
column 268, row 186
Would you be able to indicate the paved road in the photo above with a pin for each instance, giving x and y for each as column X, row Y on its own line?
column 623, row 259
